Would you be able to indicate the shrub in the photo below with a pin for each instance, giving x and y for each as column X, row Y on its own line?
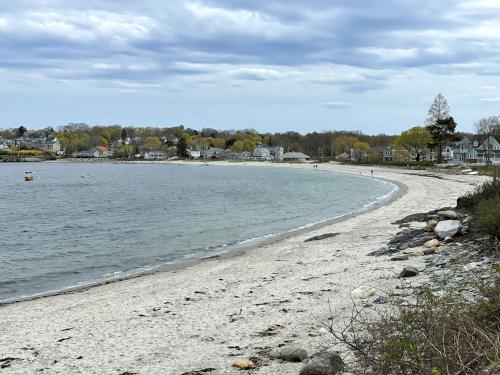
column 487, row 217
column 489, row 189
column 436, row 335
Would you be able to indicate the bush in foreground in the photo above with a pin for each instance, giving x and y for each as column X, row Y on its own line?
column 490, row 189
column 487, row 217
column 434, row 336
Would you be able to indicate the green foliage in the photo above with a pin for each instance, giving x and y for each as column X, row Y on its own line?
column 487, row 190
column 487, row 217
column 414, row 140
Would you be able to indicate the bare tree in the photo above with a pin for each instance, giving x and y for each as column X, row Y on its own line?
column 439, row 110
column 487, row 127
column 439, row 122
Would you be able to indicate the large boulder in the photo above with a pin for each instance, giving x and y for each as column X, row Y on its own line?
column 447, row 228
column 293, row 354
column 326, row 363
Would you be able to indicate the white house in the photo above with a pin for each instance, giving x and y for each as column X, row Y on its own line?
column 194, row 154
column 155, row 155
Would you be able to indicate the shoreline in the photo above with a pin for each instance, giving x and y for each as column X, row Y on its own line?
column 203, row 317
column 234, row 250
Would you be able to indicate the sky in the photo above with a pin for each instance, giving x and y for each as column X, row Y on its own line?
column 281, row 65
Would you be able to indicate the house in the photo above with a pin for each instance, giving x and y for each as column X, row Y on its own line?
column 244, row 155
column 261, row 152
column 289, row 156
column 194, row 154
column 473, row 151
column 264, row 152
column 212, row 153
column 489, row 150
column 97, row 152
column 343, row 157
column 155, row 155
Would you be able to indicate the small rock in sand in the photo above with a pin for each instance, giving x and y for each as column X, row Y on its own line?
column 431, row 224
column 431, row 243
column 400, row 257
column 449, row 214
column 326, row 363
column 243, row 364
column 293, row 354
column 409, row 271
column 363, row 292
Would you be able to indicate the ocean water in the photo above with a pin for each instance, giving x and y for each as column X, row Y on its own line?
column 80, row 223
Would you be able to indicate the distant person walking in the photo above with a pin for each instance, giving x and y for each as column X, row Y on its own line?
column 371, row 172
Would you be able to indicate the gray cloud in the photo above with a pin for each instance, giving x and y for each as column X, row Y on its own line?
column 337, row 105
column 68, row 39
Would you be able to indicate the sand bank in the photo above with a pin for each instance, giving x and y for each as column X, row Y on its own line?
column 211, row 313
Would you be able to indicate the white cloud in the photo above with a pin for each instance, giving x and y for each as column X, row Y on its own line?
column 387, row 54
column 337, row 105
column 494, row 99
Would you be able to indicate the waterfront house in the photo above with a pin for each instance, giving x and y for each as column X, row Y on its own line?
column 343, row 157
column 300, row 156
column 212, row 153
column 155, row 155
column 264, row 152
column 194, row 154
column 473, row 151
column 98, row 152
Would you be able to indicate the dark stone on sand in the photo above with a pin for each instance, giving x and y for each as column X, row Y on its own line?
column 326, row 363
column 322, row 237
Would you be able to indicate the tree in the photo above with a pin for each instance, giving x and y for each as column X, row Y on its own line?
column 441, row 131
column 237, row 146
column 124, row 136
column 414, row 140
column 487, row 127
column 152, row 142
column 439, row 110
column 21, row 131
column 182, row 147
column 439, row 123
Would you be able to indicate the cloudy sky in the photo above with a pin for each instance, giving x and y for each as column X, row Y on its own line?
column 278, row 65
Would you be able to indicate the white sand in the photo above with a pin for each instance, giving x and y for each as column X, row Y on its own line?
column 209, row 314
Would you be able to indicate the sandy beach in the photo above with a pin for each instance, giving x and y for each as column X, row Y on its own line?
column 211, row 313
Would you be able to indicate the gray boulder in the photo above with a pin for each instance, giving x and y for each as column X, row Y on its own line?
column 447, row 228
column 326, row 363
column 409, row 271
column 449, row 214
column 293, row 354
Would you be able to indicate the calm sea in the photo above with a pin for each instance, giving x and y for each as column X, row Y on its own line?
column 79, row 223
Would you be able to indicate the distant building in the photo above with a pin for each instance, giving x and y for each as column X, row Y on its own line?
column 194, row 154
column 97, row 153
column 212, row 153
column 343, row 157
column 155, row 155
column 295, row 156
column 473, row 151
column 264, row 152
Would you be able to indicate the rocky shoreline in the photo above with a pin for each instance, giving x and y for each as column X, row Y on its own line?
column 453, row 255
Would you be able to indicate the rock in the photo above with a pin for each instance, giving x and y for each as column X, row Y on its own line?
column 471, row 266
column 409, row 271
column 322, row 237
column 363, row 292
column 380, row 300
column 326, row 363
column 417, row 254
column 431, row 224
column 293, row 354
column 429, row 251
column 447, row 228
column 449, row 214
column 400, row 257
column 419, row 241
column 243, row 364
column 416, row 225
column 431, row 243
